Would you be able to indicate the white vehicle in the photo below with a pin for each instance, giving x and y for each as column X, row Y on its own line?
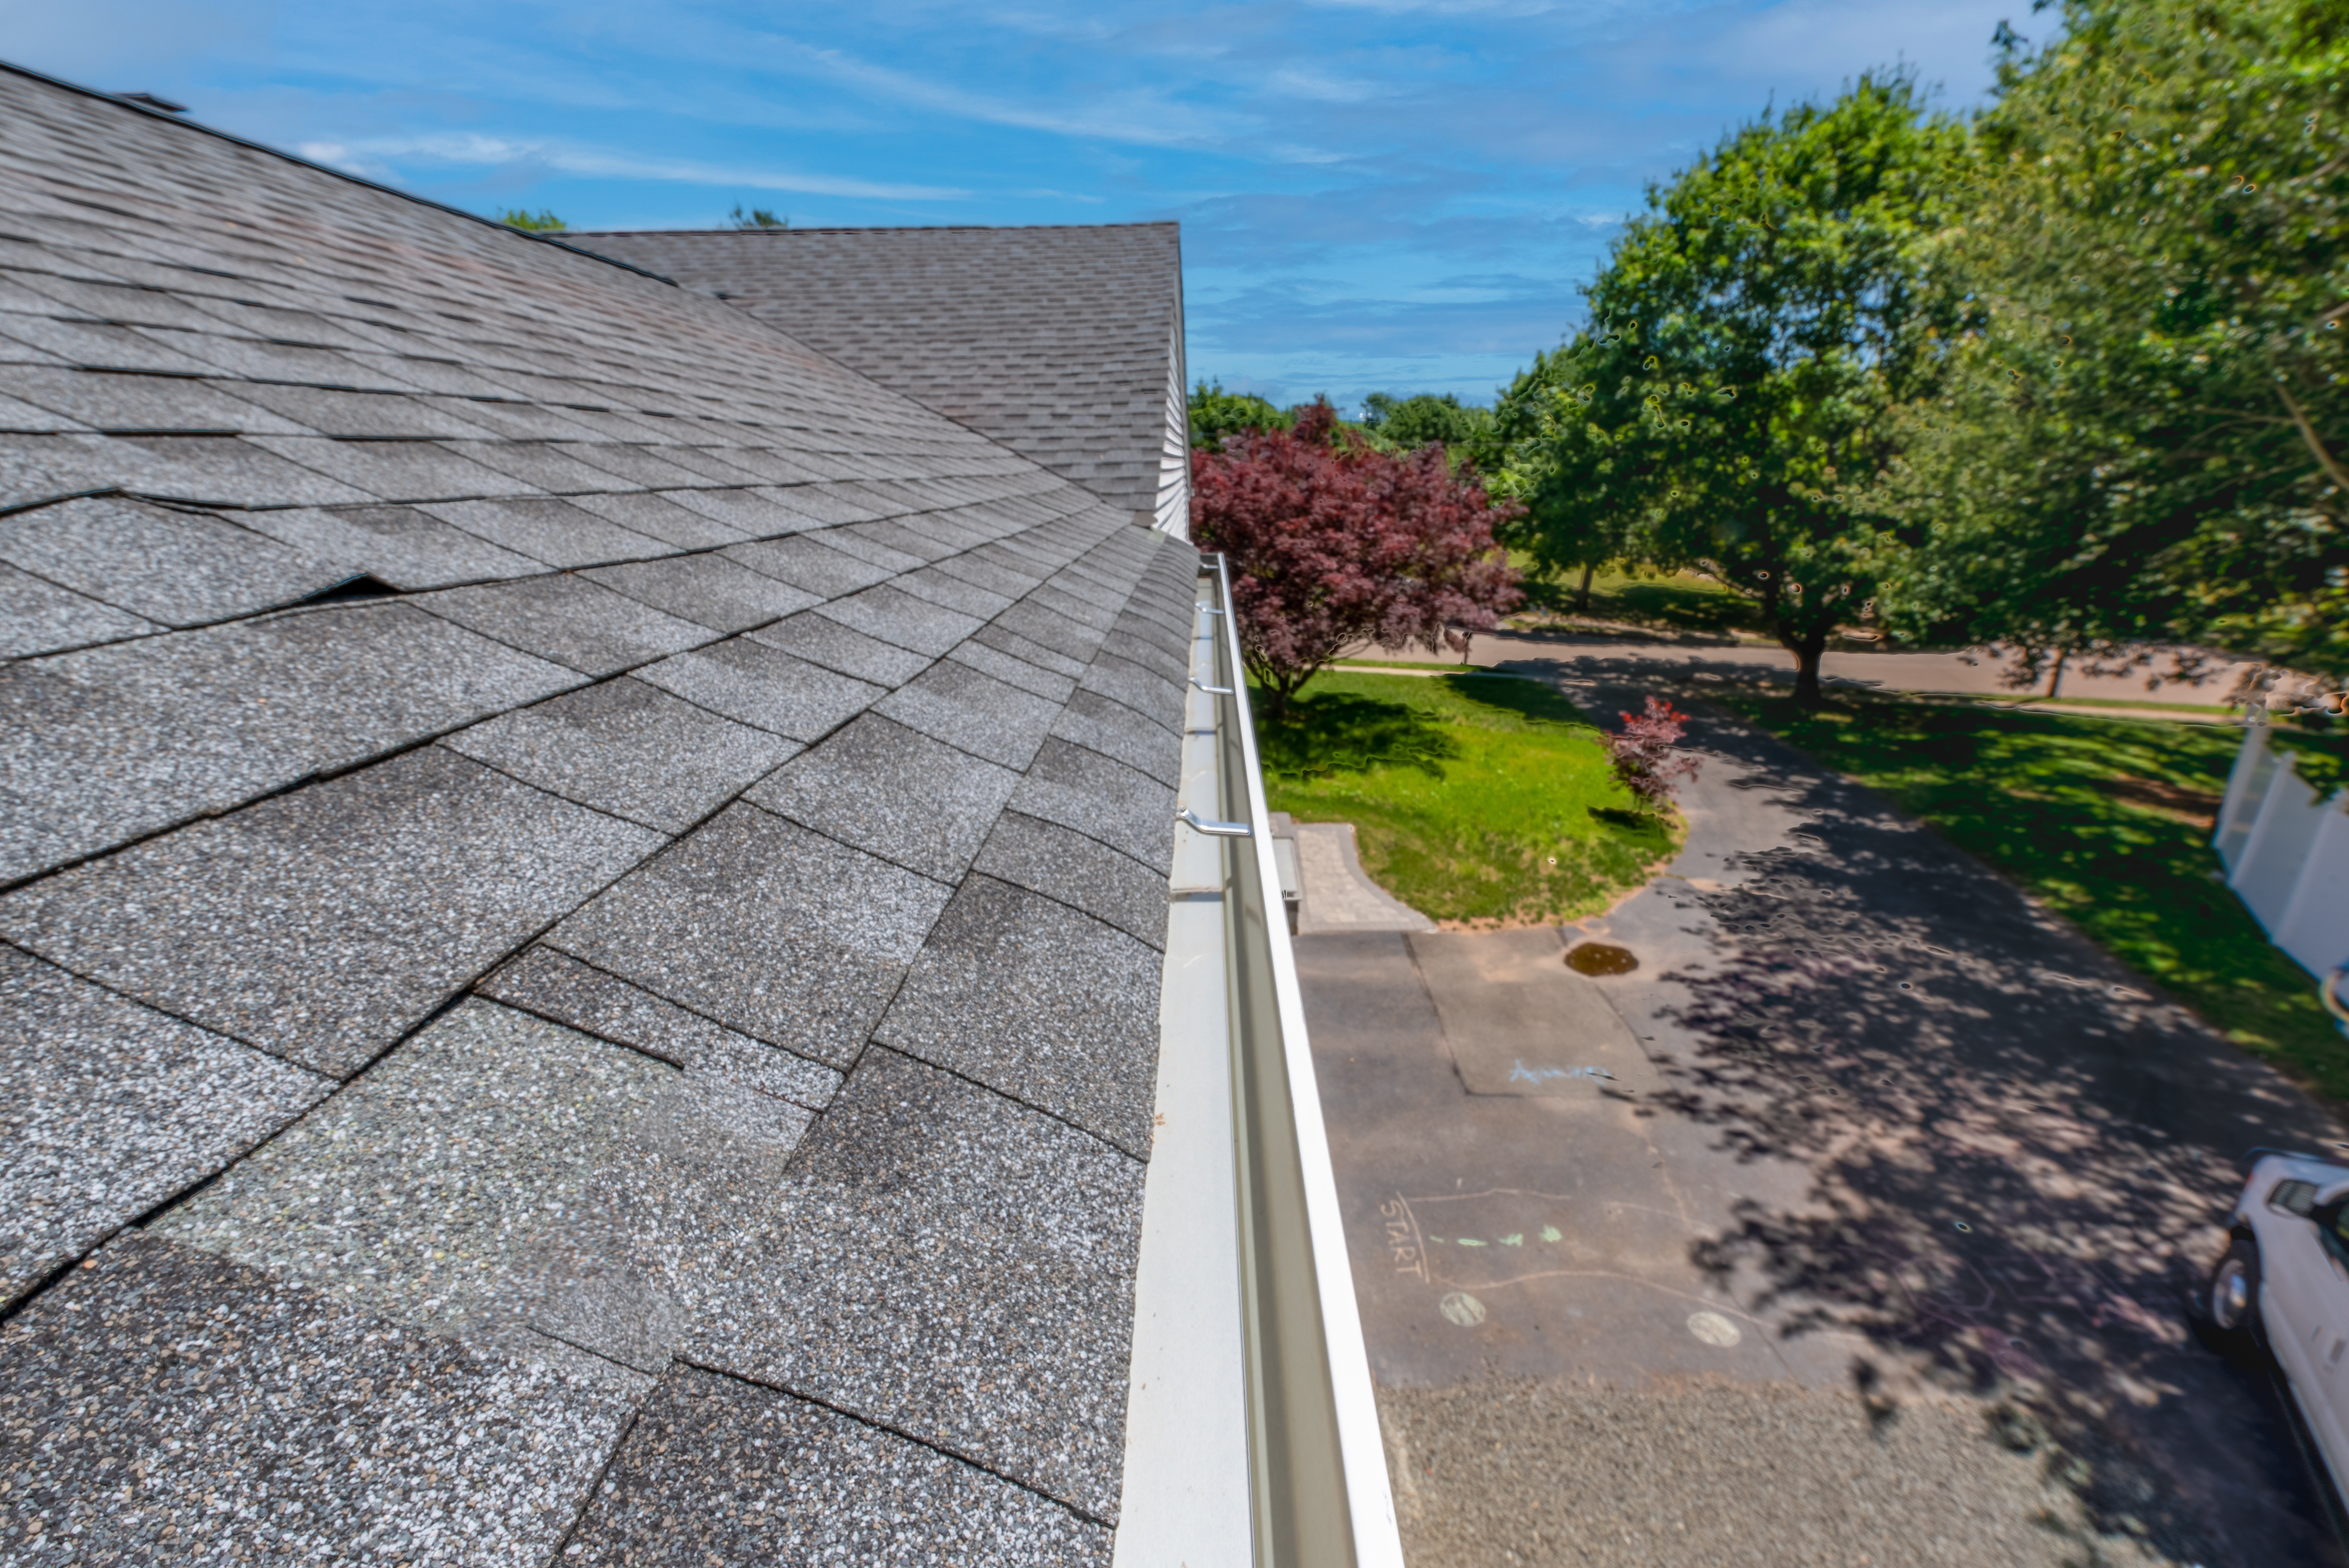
column 2284, row 1283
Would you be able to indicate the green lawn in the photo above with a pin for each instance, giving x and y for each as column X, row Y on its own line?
column 1465, row 788
column 1679, row 602
column 2105, row 820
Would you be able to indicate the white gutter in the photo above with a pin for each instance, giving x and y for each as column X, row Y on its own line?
column 1252, row 1433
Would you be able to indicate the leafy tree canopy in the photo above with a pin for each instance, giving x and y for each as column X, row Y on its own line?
column 1751, row 329
column 756, row 218
column 2141, row 430
column 1215, row 414
column 1406, row 424
column 540, row 222
column 1334, row 542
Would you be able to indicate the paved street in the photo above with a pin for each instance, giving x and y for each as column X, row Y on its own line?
column 1852, row 1226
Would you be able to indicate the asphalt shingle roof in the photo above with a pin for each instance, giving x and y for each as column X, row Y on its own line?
column 581, row 894
column 1063, row 343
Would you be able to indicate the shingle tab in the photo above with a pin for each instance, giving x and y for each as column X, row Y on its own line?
column 99, row 745
column 707, row 589
column 985, row 716
column 501, row 1117
column 822, row 641
column 321, row 924
column 628, row 748
column 556, row 986
column 1080, row 871
column 36, row 616
column 1039, row 1002
column 567, row 619
column 178, row 568
column 859, row 1292
column 381, row 1439
column 902, row 796
column 764, row 926
column 108, row 1107
column 715, row 1470
column 748, row 680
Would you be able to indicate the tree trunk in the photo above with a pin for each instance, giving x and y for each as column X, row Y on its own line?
column 1809, row 652
column 1582, row 595
column 2056, row 681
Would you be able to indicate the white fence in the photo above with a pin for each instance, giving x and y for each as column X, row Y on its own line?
column 2287, row 854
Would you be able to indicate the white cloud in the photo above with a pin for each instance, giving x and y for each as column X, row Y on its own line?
column 495, row 151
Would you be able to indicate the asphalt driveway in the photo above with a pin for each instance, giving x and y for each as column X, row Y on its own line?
column 1853, row 1226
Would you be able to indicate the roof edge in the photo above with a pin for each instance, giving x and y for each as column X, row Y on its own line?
column 900, row 229
column 180, row 119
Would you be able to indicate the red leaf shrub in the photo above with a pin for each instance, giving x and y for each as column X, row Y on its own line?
column 1643, row 755
column 1336, row 545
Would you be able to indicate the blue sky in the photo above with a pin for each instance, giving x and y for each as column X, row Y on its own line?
column 1375, row 194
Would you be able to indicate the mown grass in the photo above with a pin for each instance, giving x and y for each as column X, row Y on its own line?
column 1465, row 788
column 2105, row 821
column 1677, row 602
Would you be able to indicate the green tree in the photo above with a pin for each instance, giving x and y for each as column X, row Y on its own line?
column 1215, row 414
column 1727, row 408
column 756, row 218
column 2142, row 430
column 540, row 222
column 1406, row 424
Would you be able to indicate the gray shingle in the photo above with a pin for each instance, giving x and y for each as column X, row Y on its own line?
column 1078, row 871
column 1152, row 697
column 824, row 642
column 954, row 594
column 1029, row 653
column 567, row 619
column 716, row 1470
column 432, row 1189
column 808, row 561
column 1115, row 730
column 380, row 1438
column 147, row 403
column 1040, row 624
column 624, row 748
column 1039, row 1002
column 748, row 680
column 537, row 466
column 954, row 703
column 97, row 347
column 705, row 589
column 397, row 544
column 1067, row 355
column 548, row 530
column 38, row 617
column 108, row 1107
column 656, row 516
column 905, row 797
column 1047, row 684
column 319, row 926
column 176, row 567
column 558, row 986
column 99, row 745
column 314, row 411
column 860, row 1292
column 382, row 470
column 1081, row 789
column 766, row 928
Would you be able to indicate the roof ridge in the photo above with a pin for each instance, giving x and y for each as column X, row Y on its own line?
column 898, row 228
column 180, row 119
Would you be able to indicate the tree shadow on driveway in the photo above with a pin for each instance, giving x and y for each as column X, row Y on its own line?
column 2019, row 1160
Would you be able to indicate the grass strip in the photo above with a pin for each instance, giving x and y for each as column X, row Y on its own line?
column 1477, row 800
